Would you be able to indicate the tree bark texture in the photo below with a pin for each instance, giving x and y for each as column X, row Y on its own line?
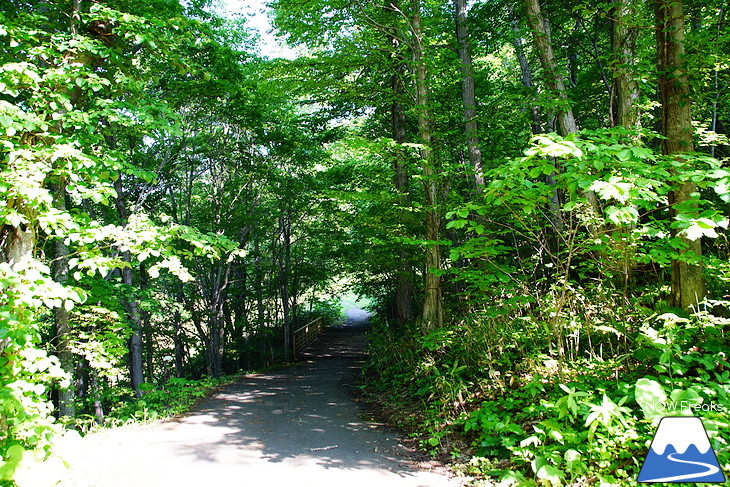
column 433, row 301
column 60, row 270
column 625, row 113
column 403, row 302
column 626, row 88
column 688, row 282
column 468, row 93
column 216, row 296
column 136, row 362
column 553, row 78
column 404, row 277
column 285, row 275
column 519, row 44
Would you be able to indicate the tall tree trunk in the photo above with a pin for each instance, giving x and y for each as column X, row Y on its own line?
column 625, row 113
column 433, row 301
column 216, row 336
column 60, row 270
column 554, row 81
column 147, row 333
column 404, row 274
column 404, row 277
column 468, row 94
column 626, row 88
column 553, row 78
column 60, row 264
column 285, row 263
column 136, row 362
column 258, row 281
column 688, row 282
column 177, row 340
column 519, row 44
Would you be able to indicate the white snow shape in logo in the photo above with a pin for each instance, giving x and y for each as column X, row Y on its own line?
column 680, row 432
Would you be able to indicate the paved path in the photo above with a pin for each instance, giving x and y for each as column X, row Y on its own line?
column 295, row 427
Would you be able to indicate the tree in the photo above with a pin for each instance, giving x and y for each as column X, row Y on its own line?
column 433, row 300
column 688, row 282
column 553, row 79
column 627, row 93
column 468, row 92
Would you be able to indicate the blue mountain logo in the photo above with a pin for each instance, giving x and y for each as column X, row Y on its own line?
column 681, row 452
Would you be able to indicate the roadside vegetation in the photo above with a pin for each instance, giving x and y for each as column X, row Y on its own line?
column 532, row 197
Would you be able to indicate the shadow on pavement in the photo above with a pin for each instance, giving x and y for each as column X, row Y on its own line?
column 295, row 426
column 302, row 412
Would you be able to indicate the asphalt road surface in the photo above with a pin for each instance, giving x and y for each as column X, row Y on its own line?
column 297, row 427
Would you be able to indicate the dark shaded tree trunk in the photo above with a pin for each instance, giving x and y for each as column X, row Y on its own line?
column 519, row 44
column 625, row 113
column 259, row 282
column 177, row 339
column 403, row 306
column 135, row 346
column 468, row 93
column 688, row 282
column 216, row 336
column 60, row 270
column 285, row 263
column 147, row 332
column 625, row 87
column 433, row 300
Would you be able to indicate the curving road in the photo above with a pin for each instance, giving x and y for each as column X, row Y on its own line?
column 298, row 426
column 711, row 470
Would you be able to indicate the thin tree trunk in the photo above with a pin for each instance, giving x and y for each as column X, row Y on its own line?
column 433, row 301
column 258, row 282
column 216, row 319
column 285, row 222
column 519, row 44
column 147, row 334
column 60, row 269
column 688, row 282
column 716, row 75
column 468, row 93
column 554, row 80
column 572, row 55
column 136, row 362
column 178, row 343
column 95, row 391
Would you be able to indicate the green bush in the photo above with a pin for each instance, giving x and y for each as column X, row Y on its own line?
column 484, row 385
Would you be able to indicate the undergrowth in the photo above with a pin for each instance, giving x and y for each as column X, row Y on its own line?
column 174, row 397
column 513, row 408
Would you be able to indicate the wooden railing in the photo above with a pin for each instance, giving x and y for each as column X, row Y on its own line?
column 304, row 336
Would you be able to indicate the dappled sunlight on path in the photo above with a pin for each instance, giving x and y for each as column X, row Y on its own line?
column 297, row 426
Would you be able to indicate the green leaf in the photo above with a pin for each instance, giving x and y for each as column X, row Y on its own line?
column 552, row 474
column 651, row 398
column 457, row 223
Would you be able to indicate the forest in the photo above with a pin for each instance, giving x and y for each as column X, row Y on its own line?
column 533, row 196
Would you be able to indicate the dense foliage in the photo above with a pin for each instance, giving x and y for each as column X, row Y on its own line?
column 160, row 216
column 535, row 202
